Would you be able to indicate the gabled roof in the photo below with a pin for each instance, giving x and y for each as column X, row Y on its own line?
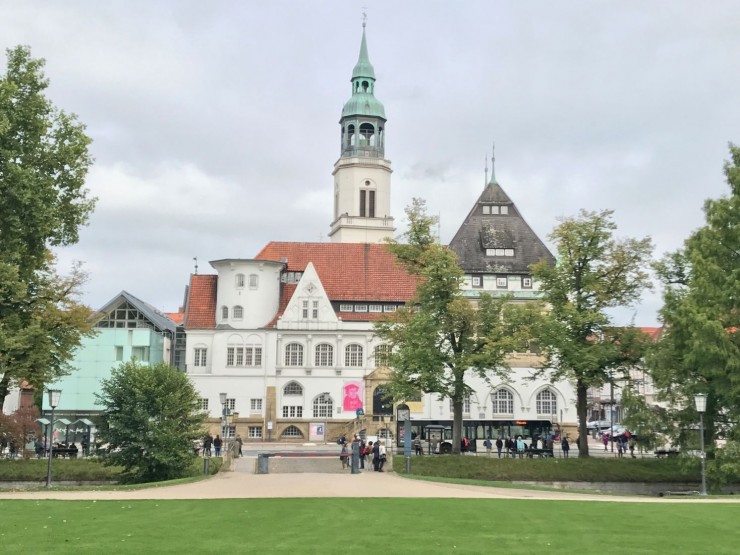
column 200, row 311
column 482, row 231
column 177, row 317
column 348, row 271
column 158, row 319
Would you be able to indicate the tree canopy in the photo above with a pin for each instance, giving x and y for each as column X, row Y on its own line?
column 594, row 272
column 699, row 351
column 150, row 419
column 44, row 160
column 440, row 340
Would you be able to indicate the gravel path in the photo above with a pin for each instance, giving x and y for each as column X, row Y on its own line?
column 242, row 483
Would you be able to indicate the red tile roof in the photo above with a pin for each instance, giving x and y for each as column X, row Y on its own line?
column 654, row 333
column 200, row 312
column 176, row 317
column 348, row 271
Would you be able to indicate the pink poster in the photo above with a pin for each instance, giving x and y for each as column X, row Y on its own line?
column 353, row 392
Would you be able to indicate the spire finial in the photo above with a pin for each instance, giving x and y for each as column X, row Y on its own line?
column 195, row 259
column 364, row 16
column 493, row 163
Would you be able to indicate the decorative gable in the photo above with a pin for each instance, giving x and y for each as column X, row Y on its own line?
column 309, row 307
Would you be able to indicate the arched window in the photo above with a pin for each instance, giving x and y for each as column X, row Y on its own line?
column 323, row 406
column 382, row 354
column 225, row 313
column 503, row 401
column 238, row 312
column 292, row 432
column 367, row 134
column 353, row 355
column 240, row 280
column 324, row 355
column 351, row 133
column 294, row 354
column 546, row 402
column 382, row 403
column 293, row 388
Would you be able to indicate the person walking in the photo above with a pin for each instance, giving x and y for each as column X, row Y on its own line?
column 344, row 456
column 238, row 444
column 381, row 456
column 417, row 446
column 376, row 456
column 499, row 446
column 605, row 441
column 207, row 443
column 632, row 447
column 217, row 443
column 565, row 446
column 369, row 452
column 488, row 445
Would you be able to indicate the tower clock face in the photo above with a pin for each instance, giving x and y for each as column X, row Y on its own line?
column 404, row 414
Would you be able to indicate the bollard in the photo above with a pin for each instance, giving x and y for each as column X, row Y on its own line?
column 355, row 461
column 205, row 465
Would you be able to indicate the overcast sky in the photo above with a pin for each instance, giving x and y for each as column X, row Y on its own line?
column 215, row 124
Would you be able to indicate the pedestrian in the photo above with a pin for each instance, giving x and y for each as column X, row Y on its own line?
column 376, row 456
column 605, row 440
column 499, row 446
column 369, row 452
column 361, row 452
column 565, row 446
column 217, row 443
column 488, row 445
column 520, row 447
column 433, row 444
column 238, row 443
column 381, row 456
column 344, row 456
column 207, row 442
column 620, row 446
column 632, row 447
column 417, row 446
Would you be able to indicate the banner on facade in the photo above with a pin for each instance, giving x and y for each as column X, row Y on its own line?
column 353, row 393
column 317, row 432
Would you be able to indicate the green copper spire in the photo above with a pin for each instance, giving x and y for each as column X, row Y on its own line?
column 363, row 67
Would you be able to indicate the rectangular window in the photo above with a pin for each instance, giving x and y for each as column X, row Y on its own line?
column 292, row 412
column 255, row 405
column 230, row 404
column 504, row 209
column 315, row 310
column 304, row 310
column 508, row 252
column 240, row 280
column 119, row 354
column 371, row 213
column 360, row 308
column 345, row 307
column 200, row 357
column 203, row 404
column 254, row 432
column 502, row 282
column 230, row 356
column 376, row 308
column 253, row 280
column 466, row 406
column 230, row 432
column 389, row 308
column 140, row 353
column 477, row 281
column 494, row 209
column 258, row 356
column 486, row 209
column 362, row 204
column 526, row 283
column 240, row 356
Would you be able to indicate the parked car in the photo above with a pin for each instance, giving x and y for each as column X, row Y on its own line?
column 598, row 424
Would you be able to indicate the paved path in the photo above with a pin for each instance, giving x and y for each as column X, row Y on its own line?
column 242, row 483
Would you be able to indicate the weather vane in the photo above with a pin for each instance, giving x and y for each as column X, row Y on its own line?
column 364, row 16
column 195, row 258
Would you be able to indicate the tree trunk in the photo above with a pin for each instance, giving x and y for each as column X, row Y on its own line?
column 457, row 411
column 4, row 390
column 582, row 412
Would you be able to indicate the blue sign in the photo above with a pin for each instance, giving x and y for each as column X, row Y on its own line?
column 359, row 412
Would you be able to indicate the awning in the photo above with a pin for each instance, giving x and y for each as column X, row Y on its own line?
column 85, row 421
column 63, row 421
column 44, row 421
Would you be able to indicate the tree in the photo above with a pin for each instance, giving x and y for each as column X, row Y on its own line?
column 150, row 420
column 594, row 272
column 440, row 340
column 699, row 350
column 19, row 428
column 43, row 164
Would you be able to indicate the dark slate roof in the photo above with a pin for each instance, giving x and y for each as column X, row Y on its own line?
column 482, row 231
column 158, row 319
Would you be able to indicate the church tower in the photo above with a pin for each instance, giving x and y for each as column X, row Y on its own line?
column 362, row 175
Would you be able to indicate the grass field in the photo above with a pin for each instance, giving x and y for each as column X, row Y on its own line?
column 366, row 526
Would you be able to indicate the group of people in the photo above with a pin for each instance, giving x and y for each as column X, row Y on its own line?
column 516, row 446
column 374, row 453
column 624, row 441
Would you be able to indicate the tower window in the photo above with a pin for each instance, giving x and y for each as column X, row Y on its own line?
column 367, row 134
column 367, row 204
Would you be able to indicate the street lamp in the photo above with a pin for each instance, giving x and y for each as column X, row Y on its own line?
column 54, row 395
column 701, row 407
column 224, row 420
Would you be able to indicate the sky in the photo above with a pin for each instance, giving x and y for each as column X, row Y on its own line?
column 215, row 124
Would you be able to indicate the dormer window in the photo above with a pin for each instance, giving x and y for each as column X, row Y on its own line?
column 499, row 252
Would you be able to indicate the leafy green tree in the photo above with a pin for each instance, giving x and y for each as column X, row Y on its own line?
column 594, row 272
column 150, row 420
column 44, row 160
column 440, row 339
column 699, row 350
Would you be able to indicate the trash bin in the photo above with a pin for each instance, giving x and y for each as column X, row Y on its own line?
column 263, row 463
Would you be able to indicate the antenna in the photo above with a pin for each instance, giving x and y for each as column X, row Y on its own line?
column 485, row 181
column 493, row 162
column 195, row 258
column 364, row 16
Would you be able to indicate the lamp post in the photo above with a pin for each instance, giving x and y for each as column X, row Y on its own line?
column 700, row 400
column 224, row 421
column 611, row 411
column 54, row 395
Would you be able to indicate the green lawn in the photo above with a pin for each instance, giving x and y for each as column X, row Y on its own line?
column 363, row 525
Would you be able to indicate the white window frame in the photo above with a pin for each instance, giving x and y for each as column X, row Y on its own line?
column 547, row 406
column 323, row 406
column 527, row 283
column 502, row 282
column 254, row 432
column 230, row 356
column 324, row 355
column 376, row 308
column 346, row 308
column 389, row 308
column 254, row 281
column 291, row 393
column 203, row 404
column 503, row 399
column 293, row 354
column 360, row 308
column 200, row 356
column 239, row 280
column 237, row 313
column 353, row 355
column 255, row 405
